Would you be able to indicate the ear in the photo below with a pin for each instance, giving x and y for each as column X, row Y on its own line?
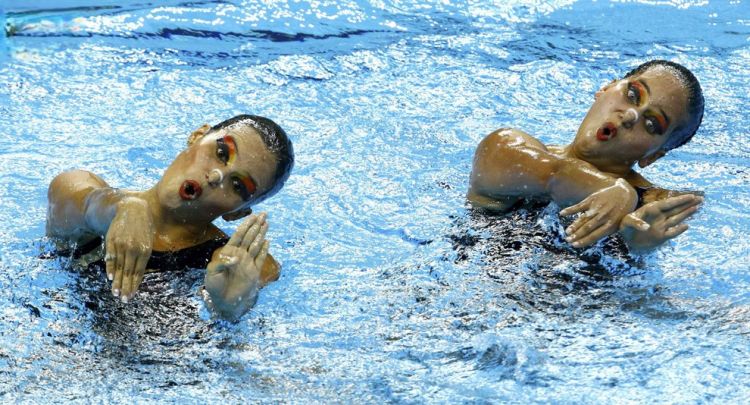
column 235, row 215
column 198, row 134
column 604, row 88
column 647, row 160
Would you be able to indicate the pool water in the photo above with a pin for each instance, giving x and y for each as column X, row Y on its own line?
column 391, row 289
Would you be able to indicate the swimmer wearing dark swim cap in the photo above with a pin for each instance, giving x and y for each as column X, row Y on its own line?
column 223, row 172
column 655, row 108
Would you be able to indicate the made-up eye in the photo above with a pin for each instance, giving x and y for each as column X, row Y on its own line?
column 244, row 186
column 222, row 150
column 634, row 94
column 226, row 149
column 652, row 126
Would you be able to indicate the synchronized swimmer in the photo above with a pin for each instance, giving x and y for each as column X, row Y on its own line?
column 223, row 172
column 227, row 168
column 656, row 107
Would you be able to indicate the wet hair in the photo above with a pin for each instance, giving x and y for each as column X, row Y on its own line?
column 275, row 140
column 682, row 134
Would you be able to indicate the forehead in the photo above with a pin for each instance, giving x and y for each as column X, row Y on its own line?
column 253, row 155
column 666, row 92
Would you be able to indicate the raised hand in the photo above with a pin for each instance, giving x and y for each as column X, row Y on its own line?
column 233, row 276
column 129, row 241
column 659, row 221
column 601, row 213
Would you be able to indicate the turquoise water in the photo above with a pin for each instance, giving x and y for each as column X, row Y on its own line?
column 391, row 290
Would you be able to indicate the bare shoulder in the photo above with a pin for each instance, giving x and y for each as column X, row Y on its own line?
column 508, row 137
column 66, row 197
column 72, row 183
column 508, row 165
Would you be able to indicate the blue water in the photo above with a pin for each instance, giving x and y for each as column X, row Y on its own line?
column 391, row 290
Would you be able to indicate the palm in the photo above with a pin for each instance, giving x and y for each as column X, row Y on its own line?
column 233, row 276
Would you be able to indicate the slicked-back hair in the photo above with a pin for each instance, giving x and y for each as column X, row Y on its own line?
column 683, row 134
column 275, row 140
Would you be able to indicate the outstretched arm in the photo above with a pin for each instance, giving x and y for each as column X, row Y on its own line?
column 83, row 206
column 510, row 164
column 239, row 270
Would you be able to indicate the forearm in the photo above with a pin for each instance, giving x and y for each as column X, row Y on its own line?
column 572, row 180
column 102, row 205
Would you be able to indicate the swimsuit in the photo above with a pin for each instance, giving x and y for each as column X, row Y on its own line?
column 641, row 191
column 196, row 256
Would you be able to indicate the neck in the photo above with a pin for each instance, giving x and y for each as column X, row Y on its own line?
column 175, row 229
column 621, row 169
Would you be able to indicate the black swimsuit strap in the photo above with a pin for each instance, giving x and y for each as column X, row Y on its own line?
column 196, row 257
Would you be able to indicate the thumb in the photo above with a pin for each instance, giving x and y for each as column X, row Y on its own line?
column 633, row 221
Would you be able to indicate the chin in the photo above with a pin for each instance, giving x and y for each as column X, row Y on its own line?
column 169, row 196
column 586, row 144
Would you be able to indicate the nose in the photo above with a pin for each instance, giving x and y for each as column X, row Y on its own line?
column 629, row 118
column 215, row 177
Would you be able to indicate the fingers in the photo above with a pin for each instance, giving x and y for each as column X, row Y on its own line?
column 596, row 234
column 126, row 268
column 581, row 206
column 681, row 216
column 695, row 204
column 139, row 270
column 257, row 243
column 576, row 224
column 254, row 232
column 239, row 234
column 260, row 260
column 118, row 274
column 671, row 203
column 127, row 277
column 583, row 226
column 109, row 259
column 676, row 230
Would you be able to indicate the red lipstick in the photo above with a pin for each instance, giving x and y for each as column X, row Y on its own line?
column 606, row 132
column 190, row 190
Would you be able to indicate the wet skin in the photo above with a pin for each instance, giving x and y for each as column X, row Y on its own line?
column 630, row 122
column 219, row 174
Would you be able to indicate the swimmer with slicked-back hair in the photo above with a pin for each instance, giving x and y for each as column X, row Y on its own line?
column 224, row 170
column 656, row 107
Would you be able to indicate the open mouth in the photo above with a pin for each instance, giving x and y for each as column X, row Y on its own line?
column 190, row 190
column 606, row 132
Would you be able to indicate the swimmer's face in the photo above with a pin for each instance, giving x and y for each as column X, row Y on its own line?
column 220, row 172
column 632, row 119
